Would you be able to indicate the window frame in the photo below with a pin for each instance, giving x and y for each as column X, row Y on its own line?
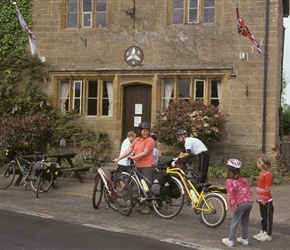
column 201, row 10
column 71, row 98
column 207, row 89
column 80, row 15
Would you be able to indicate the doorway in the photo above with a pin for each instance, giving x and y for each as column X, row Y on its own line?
column 137, row 107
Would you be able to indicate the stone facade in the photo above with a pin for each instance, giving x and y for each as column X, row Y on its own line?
column 202, row 49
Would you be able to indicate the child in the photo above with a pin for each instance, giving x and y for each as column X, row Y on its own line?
column 264, row 198
column 155, row 150
column 240, row 201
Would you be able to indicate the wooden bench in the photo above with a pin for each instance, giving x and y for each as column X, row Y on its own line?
column 59, row 156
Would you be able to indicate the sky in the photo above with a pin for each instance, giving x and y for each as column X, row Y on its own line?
column 286, row 59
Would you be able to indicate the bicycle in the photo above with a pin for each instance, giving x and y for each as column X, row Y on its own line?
column 193, row 174
column 26, row 169
column 142, row 193
column 212, row 207
column 117, row 193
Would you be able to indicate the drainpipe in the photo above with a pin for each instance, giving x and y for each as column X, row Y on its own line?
column 265, row 78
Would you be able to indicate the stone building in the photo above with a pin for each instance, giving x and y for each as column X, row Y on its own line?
column 118, row 61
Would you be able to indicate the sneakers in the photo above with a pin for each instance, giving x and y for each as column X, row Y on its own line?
column 264, row 237
column 146, row 210
column 244, row 242
column 227, row 242
column 258, row 235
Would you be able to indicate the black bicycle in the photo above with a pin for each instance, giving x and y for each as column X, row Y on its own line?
column 19, row 165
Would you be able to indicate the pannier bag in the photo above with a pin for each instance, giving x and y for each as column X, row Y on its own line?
column 47, row 168
column 160, row 184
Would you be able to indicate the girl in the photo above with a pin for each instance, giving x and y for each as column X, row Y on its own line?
column 240, row 201
column 264, row 198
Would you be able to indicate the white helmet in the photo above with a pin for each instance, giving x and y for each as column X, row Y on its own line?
column 234, row 164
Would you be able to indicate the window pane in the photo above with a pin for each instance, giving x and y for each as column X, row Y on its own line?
column 77, row 89
column 209, row 11
column 72, row 5
column 193, row 16
column 167, row 91
column 178, row 4
column 64, row 88
column 199, row 90
column 209, row 3
column 72, row 20
column 177, row 11
column 101, row 5
column 101, row 20
column 92, row 104
column 87, row 20
column 72, row 13
column 214, row 91
column 184, row 86
column 101, row 13
column 193, row 3
column 87, row 5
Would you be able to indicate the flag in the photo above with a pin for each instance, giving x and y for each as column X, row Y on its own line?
column 244, row 31
column 30, row 35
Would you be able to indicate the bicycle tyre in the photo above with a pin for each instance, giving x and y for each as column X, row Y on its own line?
column 214, row 216
column 38, row 184
column 7, row 175
column 110, row 201
column 44, row 183
column 98, row 191
column 135, row 188
column 123, row 196
column 169, row 205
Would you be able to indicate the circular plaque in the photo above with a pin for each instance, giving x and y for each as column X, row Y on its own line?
column 134, row 55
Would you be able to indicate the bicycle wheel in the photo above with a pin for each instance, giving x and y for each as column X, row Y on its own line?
column 213, row 210
column 169, row 205
column 98, row 191
column 7, row 174
column 123, row 196
column 135, row 188
column 44, row 183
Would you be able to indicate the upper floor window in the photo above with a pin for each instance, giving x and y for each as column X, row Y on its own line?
column 90, row 97
column 193, row 11
column 191, row 88
column 86, row 13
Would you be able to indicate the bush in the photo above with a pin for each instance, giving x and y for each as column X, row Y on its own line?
column 205, row 122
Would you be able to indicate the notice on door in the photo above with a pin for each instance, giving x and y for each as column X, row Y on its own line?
column 137, row 120
column 138, row 109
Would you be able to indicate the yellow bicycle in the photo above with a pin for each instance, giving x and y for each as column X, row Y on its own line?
column 212, row 207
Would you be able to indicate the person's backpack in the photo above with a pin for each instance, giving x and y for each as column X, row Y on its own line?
column 160, row 184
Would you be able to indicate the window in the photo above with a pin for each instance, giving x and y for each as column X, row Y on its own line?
column 193, row 11
column 190, row 88
column 86, row 13
column 87, row 97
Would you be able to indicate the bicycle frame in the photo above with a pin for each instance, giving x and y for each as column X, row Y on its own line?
column 187, row 184
column 106, row 179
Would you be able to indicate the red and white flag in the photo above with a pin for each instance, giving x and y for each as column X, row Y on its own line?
column 31, row 37
column 244, row 31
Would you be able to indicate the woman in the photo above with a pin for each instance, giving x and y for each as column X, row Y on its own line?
column 143, row 147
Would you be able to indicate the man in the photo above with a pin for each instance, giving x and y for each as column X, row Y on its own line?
column 123, row 163
column 193, row 146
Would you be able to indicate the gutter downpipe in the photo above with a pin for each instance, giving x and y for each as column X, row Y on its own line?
column 265, row 78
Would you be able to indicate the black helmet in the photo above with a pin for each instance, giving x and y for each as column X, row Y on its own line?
column 144, row 125
column 153, row 136
column 180, row 133
column 234, row 165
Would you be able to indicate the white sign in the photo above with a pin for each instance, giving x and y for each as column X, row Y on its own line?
column 137, row 120
column 138, row 109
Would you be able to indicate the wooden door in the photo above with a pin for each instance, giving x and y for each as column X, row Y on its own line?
column 137, row 107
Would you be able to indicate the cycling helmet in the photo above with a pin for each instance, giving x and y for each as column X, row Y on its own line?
column 144, row 125
column 153, row 136
column 181, row 133
column 234, row 164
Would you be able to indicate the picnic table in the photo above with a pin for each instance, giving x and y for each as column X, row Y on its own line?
column 59, row 156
